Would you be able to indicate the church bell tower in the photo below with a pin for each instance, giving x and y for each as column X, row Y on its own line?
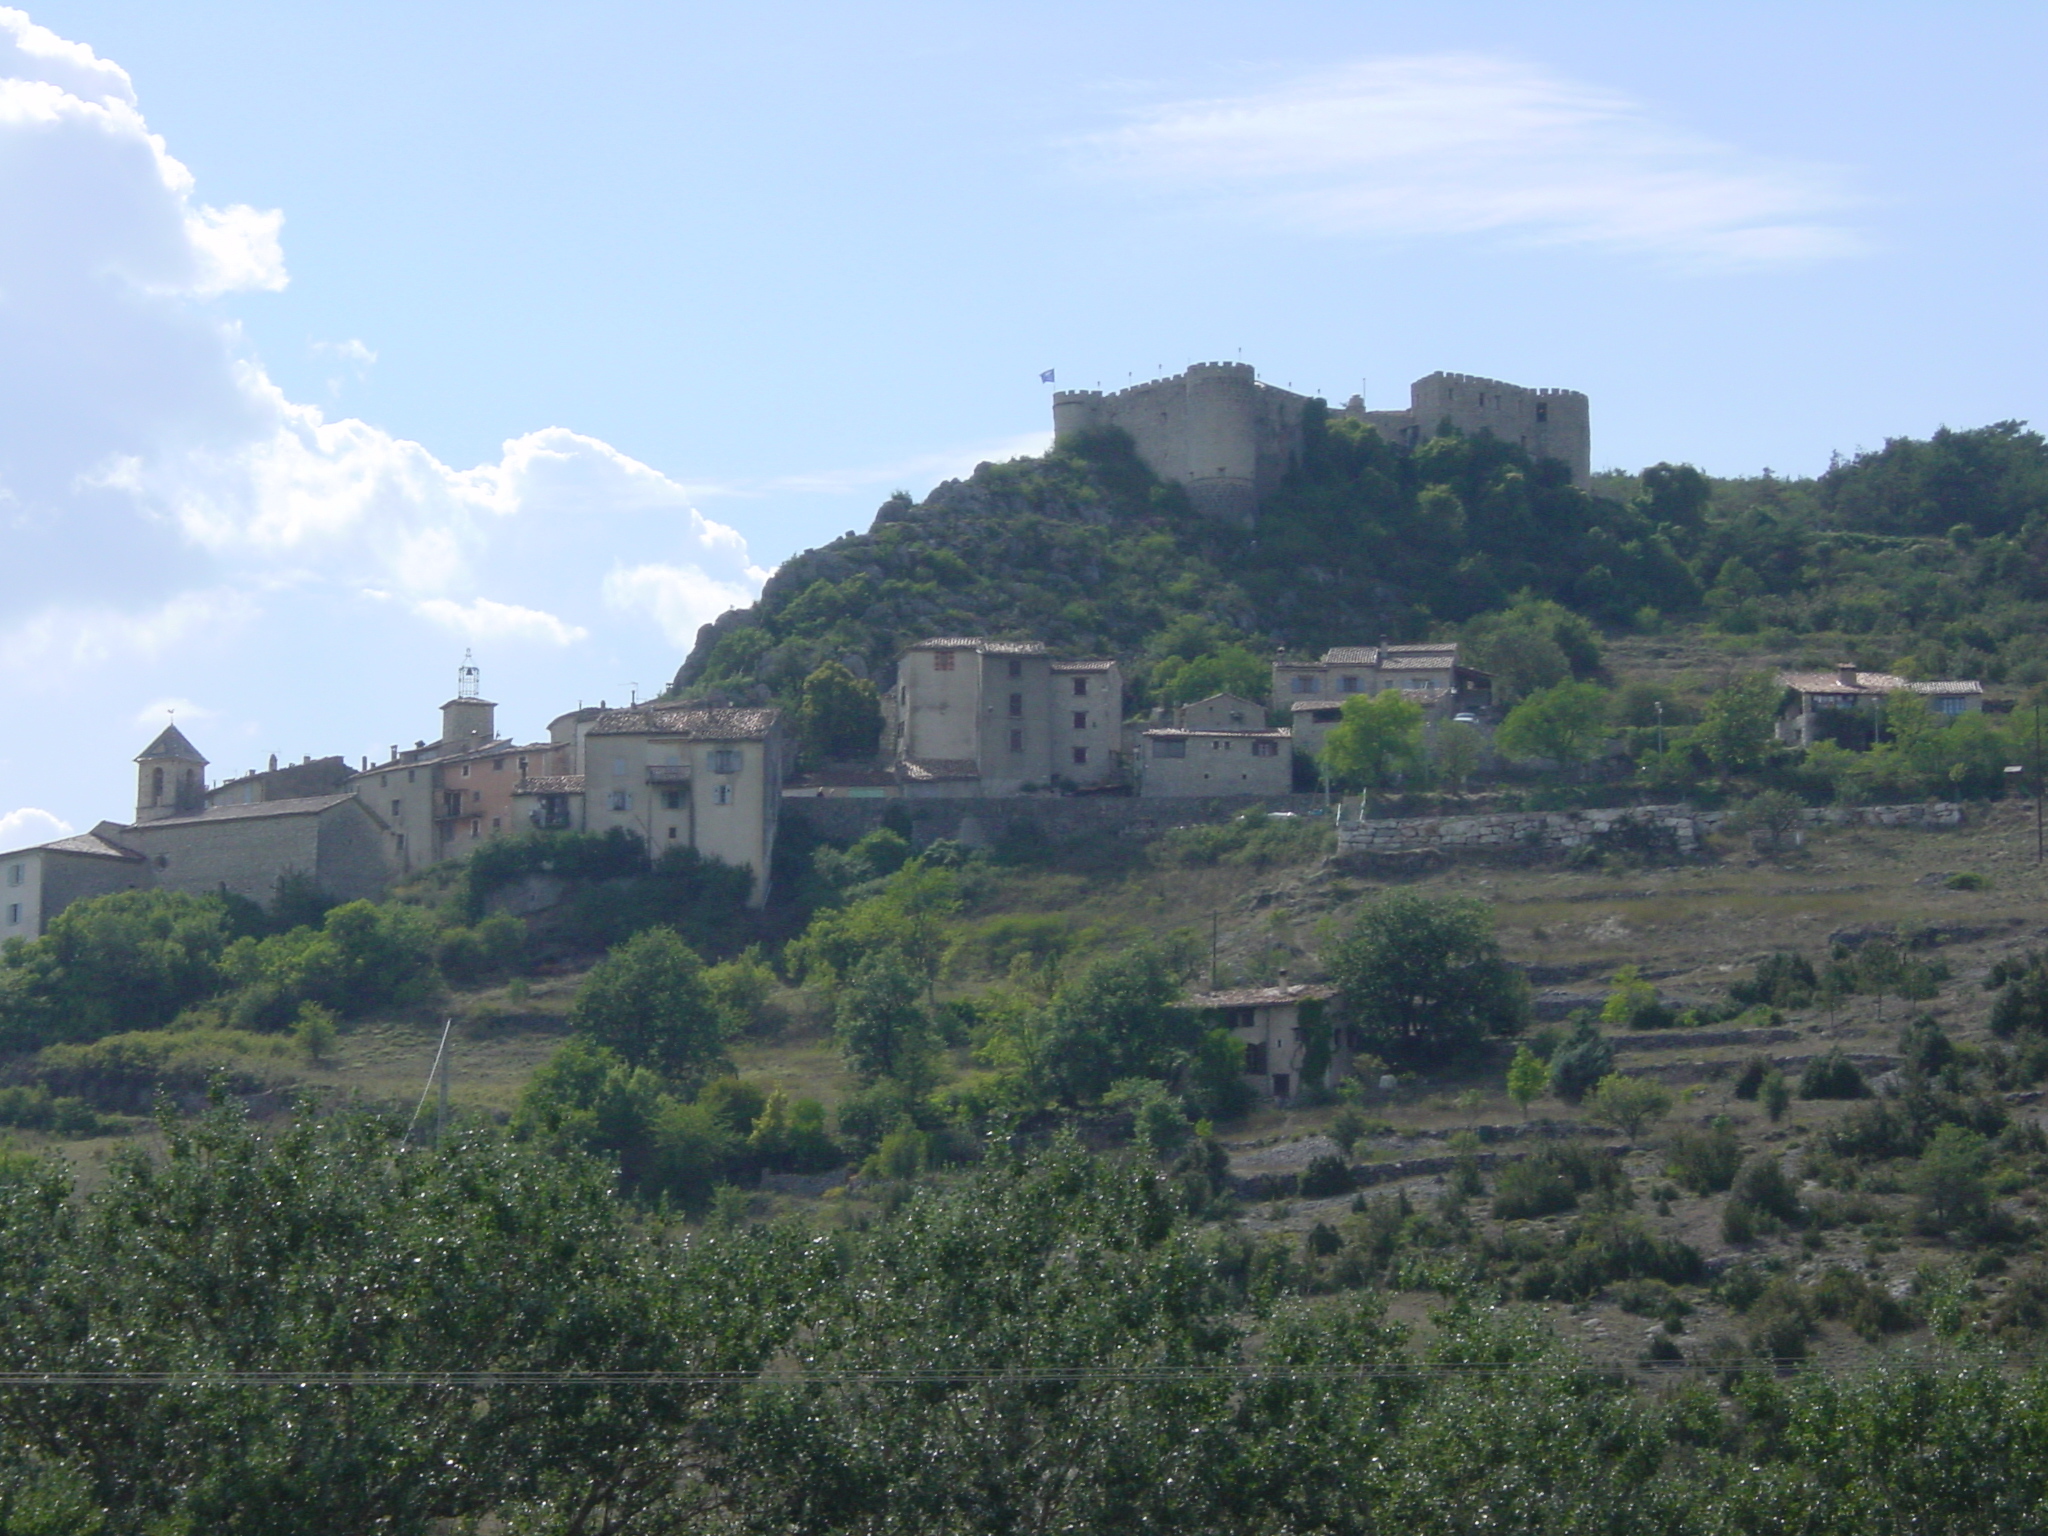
column 170, row 778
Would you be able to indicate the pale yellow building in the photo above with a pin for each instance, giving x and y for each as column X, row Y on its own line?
column 969, row 716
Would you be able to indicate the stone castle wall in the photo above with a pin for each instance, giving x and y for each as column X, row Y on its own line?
column 1549, row 423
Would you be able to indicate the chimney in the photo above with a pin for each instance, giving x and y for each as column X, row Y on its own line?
column 1846, row 671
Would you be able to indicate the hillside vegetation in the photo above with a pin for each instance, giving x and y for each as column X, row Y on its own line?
column 1926, row 557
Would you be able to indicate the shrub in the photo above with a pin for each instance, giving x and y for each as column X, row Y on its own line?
column 1832, row 1076
column 1925, row 1046
column 1751, row 1078
column 647, row 1001
column 1629, row 1102
column 1763, row 1186
column 1581, row 1062
column 1552, row 1180
column 1781, row 980
column 1326, row 1175
column 1705, row 1161
column 1424, row 979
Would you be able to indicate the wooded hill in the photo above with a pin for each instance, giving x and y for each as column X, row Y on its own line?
column 1927, row 557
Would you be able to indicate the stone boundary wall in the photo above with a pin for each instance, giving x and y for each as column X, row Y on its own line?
column 1555, row 832
column 981, row 820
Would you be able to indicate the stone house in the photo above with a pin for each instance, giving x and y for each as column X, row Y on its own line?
column 1288, row 1035
column 970, row 716
column 1313, row 692
column 1220, row 745
column 677, row 776
column 1817, row 702
column 181, row 841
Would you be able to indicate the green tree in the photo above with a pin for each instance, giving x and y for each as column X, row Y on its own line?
column 131, row 960
column 1738, row 728
column 1532, row 645
column 647, row 1001
column 1629, row 1102
column 1378, row 740
column 1424, row 980
column 1565, row 723
column 1118, row 1017
column 1527, row 1075
column 883, row 1026
column 838, row 715
column 1458, row 746
column 1950, row 1181
column 1193, row 657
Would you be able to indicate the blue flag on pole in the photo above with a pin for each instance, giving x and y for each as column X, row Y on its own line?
column 1045, row 377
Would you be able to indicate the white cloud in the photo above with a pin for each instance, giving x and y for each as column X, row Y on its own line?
column 1462, row 144
column 26, row 827
column 351, row 351
column 54, row 642
column 678, row 598
column 482, row 619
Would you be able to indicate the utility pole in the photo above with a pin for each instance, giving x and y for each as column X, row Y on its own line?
column 441, row 1112
column 2037, row 783
column 1215, row 928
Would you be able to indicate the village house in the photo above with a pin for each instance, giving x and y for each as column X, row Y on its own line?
column 1220, row 745
column 674, row 775
column 1289, row 1039
column 970, row 716
column 1313, row 692
column 181, row 840
column 1842, row 705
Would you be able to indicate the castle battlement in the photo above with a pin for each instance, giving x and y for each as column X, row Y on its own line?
column 1230, row 439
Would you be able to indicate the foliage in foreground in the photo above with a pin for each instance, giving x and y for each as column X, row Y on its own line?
column 1049, row 1346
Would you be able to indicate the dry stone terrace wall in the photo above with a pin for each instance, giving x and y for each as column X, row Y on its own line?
column 983, row 819
column 1560, row 831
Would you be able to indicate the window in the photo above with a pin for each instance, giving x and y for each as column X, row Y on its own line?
column 156, row 786
column 452, row 805
column 14, row 874
column 477, row 795
column 1080, row 687
column 671, row 834
column 942, row 661
column 621, row 800
column 476, row 828
column 1255, row 1058
column 1016, row 741
column 1951, row 706
column 398, row 810
column 497, row 823
column 671, row 800
column 1543, row 410
column 1239, row 1018
column 1169, row 747
column 522, row 767
column 1016, row 666
column 1016, row 706
column 1349, row 685
column 725, row 760
column 1080, row 757
column 1080, row 719
column 722, row 795
column 1305, row 684
column 497, row 765
column 409, row 773
column 1265, row 749
column 398, row 842
column 465, row 770
column 618, row 767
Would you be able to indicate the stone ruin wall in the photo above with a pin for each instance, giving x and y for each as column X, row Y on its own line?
column 1557, row 832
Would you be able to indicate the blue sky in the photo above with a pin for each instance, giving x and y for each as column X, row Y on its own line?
column 335, row 340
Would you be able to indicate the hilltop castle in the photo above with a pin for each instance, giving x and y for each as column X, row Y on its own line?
column 1230, row 439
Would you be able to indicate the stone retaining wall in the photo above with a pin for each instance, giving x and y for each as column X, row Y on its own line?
column 981, row 820
column 1553, row 832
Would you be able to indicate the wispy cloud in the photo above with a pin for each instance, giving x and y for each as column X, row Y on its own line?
column 483, row 619
column 28, row 826
column 1465, row 144
column 163, row 711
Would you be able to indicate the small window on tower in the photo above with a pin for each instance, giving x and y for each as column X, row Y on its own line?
column 722, row 795
column 1080, row 687
column 1080, row 719
column 942, row 661
column 1016, row 706
column 1080, row 757
column 1016, row 666
column 1543, row 410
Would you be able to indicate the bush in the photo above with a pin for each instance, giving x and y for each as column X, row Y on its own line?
column 1763, row 1186
column 1581, row 1062
column 1781, row 980
column 1424, row 980
column 362, row 957
column 1751, row 1077
column 1552, row 1180
column 1832, row 1076
column 1705, row 1161
column 647, row 1001
column 1325, row 1175
column 1925, row 1046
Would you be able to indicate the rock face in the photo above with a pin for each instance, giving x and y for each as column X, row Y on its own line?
column 1680, row 828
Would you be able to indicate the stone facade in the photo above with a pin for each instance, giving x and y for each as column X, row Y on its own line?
column 1274, row 1026
column 1218, row 745
column 1555, row 832
column 1230, row 439
column 1813, row 697
column 676, row 776
column 336, row 841
column 1549, row 423
column 38, row 883
column 974, row 717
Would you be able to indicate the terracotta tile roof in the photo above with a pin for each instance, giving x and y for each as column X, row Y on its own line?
column 690, row 724
column 1874, row 683
column 90, row 844
column 1092, row 664
column 1261, row 997
column 307, row 805
column 550, row 784
column 1387, row 658
column 924, row 770
column 1332, row 704
column 978, row 643
column 1179, row 732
